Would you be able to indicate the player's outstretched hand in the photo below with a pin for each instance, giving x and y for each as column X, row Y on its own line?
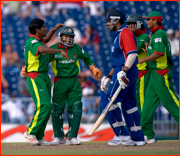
column 122, row 79
column 23, row 71
column 97, row 73
column 65, row 55
column 58, row 26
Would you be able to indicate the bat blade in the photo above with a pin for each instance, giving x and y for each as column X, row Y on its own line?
column 105, row 111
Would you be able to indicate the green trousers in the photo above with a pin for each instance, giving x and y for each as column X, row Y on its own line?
column 160, row 88
column 66, row 90
column 141, row 86
column 40, row 89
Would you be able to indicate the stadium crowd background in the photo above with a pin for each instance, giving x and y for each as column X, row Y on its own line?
column 87, row 19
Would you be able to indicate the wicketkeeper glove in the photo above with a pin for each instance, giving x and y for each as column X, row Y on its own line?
column 23, row 71
column 105, row 81
column 97, row 73
column 122, row 79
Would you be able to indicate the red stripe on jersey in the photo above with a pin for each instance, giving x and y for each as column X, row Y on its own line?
column 37, row 52
column 127, row 41
column 159, row 53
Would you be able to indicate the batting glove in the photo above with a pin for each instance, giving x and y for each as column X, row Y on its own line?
column 122, row 79
column 105, row 81
column 97, row 73
column 23, row 71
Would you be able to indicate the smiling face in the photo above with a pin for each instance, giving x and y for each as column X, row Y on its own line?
column 151, row 23
column 67, row 40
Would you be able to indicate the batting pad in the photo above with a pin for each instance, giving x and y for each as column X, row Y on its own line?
column 74, row 120
column 57, row 120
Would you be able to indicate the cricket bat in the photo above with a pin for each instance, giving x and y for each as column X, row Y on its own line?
column 104, row 112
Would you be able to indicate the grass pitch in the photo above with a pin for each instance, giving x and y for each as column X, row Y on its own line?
column 168, row 147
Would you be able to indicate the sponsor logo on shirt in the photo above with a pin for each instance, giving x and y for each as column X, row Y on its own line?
column 157, row 40
column 65, row 61
column 58, row 56
column 111, row 82
column 34, row 41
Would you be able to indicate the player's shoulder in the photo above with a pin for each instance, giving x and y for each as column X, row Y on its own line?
column 126, row 31
column 55, row 46
column 77, row 46
column 160, row 33
column 31, row 40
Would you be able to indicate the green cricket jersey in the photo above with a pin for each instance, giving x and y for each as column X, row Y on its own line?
column 65, row 68
column 34, row 61
column 141, row 39
column 160, row 44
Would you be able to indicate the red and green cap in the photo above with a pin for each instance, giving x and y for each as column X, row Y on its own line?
column 154, row 15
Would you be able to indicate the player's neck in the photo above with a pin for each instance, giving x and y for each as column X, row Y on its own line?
column 39, row 36
column 118, row 25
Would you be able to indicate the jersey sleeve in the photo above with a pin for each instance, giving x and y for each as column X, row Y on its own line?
column 128, row 42
column 84, row 56
column 34, row 46
column 159, row 43
column 141, row 44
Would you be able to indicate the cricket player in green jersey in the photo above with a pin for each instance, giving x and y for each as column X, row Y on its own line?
column 160, row 86
column 136, row 25
column 39, row 84
column 66, row 88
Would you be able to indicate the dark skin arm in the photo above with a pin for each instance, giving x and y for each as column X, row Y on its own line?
column 111, row 72
column 150, row 58
column 46, row 50
column 51, row 33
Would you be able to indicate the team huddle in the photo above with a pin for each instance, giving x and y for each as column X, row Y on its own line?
column 141, row 65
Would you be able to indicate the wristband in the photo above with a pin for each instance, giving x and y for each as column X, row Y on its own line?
column 109, row 76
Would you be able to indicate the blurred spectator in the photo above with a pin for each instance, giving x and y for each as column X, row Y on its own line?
column 89, row 105
column 68, row 4
column 96, row 7
column 25, row 9
column 91, row 37
column 71, row 23
column 62, row 6
column 15, row 110
column 10, row 56
column 35, row 9
column 30, row 110
column 47, row 8
column 23, row 87
column 173, row 41
column 4, row 9
column 12, row 7
column 4, row 85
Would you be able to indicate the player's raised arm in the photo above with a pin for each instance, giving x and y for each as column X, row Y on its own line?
column 51, row 33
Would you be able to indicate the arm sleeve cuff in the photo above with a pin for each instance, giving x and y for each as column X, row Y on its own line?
column 159, row 53
column 37, row 52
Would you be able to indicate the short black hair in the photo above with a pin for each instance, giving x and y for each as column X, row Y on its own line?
column 121, row 21
column 35, row 24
